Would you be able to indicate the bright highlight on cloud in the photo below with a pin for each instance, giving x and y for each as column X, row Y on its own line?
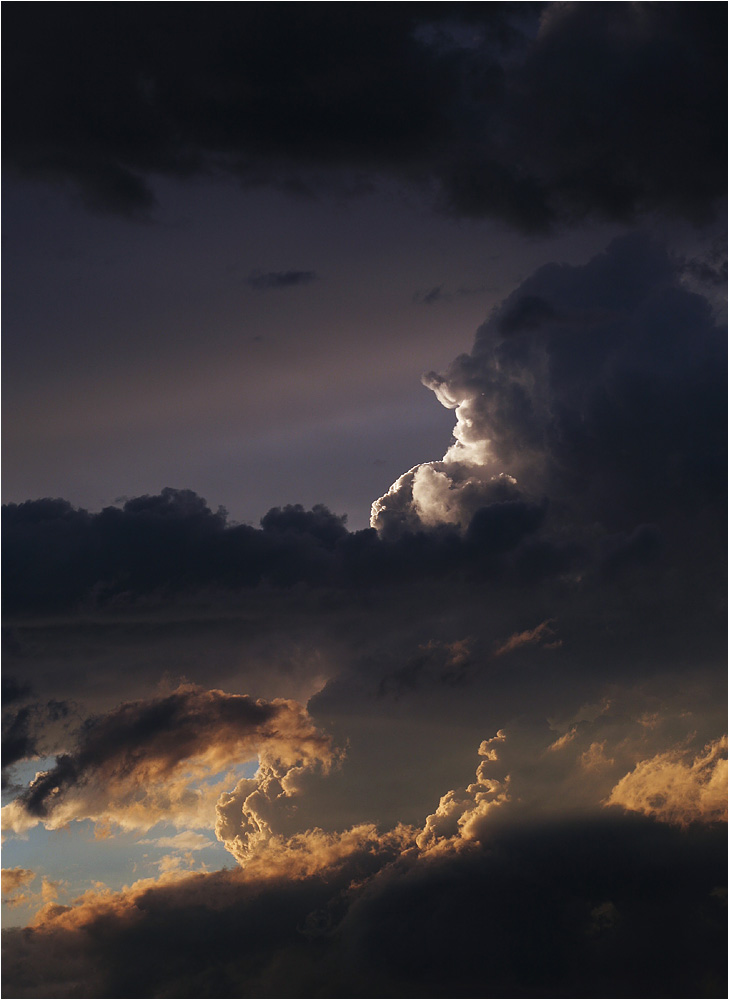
column 675, row 788
column 554, row 382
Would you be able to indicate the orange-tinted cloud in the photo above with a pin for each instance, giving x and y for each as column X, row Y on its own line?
column 675, row 789
column 463, row 815
column 149, row 760
column 529, row 637
column 14, row 879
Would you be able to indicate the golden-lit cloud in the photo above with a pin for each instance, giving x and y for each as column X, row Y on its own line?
column 313, row 851
column 674, row 788
column 14, row 879
column 531, row 636
column 562, row 741
column 251, row 823
column 462, row 815
column 595, row 757
column 153, row 760
column 15, row 882
column 188, row 840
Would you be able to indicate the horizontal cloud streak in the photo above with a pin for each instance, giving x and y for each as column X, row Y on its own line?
column 261, row 282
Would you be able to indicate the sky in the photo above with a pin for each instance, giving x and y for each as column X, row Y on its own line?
column 364, row 484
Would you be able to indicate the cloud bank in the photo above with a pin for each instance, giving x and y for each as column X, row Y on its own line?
column 585, row 899
column 539, row 115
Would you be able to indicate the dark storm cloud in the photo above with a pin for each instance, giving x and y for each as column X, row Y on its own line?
column 13, row 690
column 25, row 729
column 58, row 558
column 262, row 282
column 606, row 109
column 142, row 743
column 551, row 910
column 18, row 743
column 527, row 313
column 600, row 387
column 709, row 269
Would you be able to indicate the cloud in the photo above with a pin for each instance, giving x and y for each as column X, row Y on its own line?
column 14, row 690
column 435, row 663
column 535, row 635
column 14, row 879
column 436, row 294
column 565, row 396
column 584, row 486
column 462, row 817
column 676, row 789
column 188, row 840
column 27, row 732
column 532, row 114
column 439, row 294
column 588, row 441
column 58, row 557
column 164, row 549
column 143, row 762
column 262, row 282
column 17, row 741
column 587, row 901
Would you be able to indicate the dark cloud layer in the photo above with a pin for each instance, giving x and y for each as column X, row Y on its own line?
column 59, row 558
column 599, row 110
column 588, row 909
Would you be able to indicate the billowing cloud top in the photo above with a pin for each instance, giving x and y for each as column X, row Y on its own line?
column 598, row 387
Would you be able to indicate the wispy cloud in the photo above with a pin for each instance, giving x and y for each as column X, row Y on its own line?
column 264, row 281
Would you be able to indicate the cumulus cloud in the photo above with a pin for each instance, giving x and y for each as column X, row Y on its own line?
column 565, row 396
column 159, row 550
column 521, row 778
column 675, row 788
column 17, row 892
column 148, row 760
column 13, row 880
column 463, row 816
